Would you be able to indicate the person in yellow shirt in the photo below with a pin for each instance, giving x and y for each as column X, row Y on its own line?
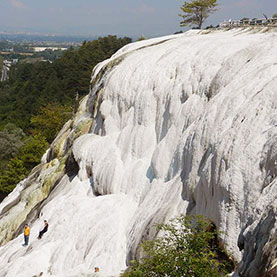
column 26, row 234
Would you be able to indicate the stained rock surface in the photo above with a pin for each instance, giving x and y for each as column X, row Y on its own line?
column 179, row 124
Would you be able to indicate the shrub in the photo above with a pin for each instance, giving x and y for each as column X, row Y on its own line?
column 186, row 248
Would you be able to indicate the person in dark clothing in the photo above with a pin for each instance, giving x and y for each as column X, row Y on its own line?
column 44, row 230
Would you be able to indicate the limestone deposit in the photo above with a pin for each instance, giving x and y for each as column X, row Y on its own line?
column 179, row 124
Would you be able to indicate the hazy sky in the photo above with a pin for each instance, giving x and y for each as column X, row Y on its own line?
column 120, row 17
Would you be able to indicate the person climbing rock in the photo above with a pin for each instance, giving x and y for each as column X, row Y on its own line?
column 44, row 230
column 26, row 234
column 96, row 272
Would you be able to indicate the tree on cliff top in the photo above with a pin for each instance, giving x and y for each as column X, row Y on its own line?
column 197, row 11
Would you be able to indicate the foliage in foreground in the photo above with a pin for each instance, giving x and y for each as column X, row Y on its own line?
column 186, row 248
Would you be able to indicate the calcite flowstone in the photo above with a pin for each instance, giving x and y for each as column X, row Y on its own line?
column 180, row 124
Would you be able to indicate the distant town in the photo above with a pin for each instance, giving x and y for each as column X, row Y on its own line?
column 11, row 53
column 32, row 48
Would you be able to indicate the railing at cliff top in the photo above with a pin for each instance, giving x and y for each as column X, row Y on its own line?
column 271, row 22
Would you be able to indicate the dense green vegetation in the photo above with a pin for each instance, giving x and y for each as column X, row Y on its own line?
column 37, row 100
column 49, row 54
column 17, row 168
column 188, row 247
column 33, row 85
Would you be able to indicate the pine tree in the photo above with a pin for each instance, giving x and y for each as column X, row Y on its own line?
column 197, row 11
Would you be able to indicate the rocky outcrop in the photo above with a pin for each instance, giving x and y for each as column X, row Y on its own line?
column 180, row 124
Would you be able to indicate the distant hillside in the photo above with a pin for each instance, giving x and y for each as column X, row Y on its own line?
column 21, row 37
column 38, row 99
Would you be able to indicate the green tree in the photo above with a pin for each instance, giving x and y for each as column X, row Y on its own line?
column 11, row 139
column 12, row 175
column 50, row 120
column 197, row 11
column 275, row 15
column 142, row 37
column 32, row 151
column 187, row 248
column 18, row 168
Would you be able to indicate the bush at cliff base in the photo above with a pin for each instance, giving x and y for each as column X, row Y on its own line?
column 187, row 247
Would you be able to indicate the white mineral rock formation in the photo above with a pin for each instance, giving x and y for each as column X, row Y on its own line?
column 179, row 124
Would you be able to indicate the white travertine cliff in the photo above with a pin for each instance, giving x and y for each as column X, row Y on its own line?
column 180, row 124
